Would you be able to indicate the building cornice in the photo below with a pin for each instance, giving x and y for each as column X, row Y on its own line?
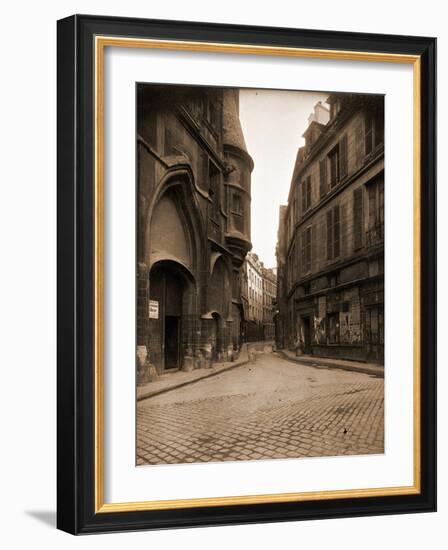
column 236, row 151
column 363, row 256
column 341, row 286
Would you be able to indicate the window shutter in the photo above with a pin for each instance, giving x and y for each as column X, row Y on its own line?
column 308, row 248
column 359, row 144
column 337, row 232
column 343, row 157
column 303, row 190
column 358, row 221
column 308, row 191
column 329, row 235
column 379, row 128
column 323, row 177
column 372, row 189
column 303, row 254
column 313, row 247
column 369, row 134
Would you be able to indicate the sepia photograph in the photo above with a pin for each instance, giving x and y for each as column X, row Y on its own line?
column 260, row 274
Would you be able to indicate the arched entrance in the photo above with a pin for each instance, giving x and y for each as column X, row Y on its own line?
column 216, row 337
column 170, row 296
column 219, row 299
column 173, row 242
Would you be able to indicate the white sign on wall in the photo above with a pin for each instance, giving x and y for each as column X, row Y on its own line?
column 153, row 309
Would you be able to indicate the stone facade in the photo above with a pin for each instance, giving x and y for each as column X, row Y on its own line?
column 258, row 292
column 269, row 297
column 194, row 189
column 330, row 248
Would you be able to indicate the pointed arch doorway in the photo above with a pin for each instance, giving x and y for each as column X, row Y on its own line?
column 170, row 288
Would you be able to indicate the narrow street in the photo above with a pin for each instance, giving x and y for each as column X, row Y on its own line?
column 272, row 408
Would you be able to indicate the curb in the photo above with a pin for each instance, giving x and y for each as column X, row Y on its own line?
column 188, row 382
column 325, row 365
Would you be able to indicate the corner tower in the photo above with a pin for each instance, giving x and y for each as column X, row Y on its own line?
column 239, row 166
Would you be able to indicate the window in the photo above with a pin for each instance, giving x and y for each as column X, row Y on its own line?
column 214, row 190
column 333, row 157
column 306, row 194
column 358, row 217
column 333, row 233
column 359, row 143
column 295, row 204
column 212, row 110
column 374, row 131
column 306, row 250
column 322, row 177
column 343, row 164
column 237, row 207
column 338, row 160
column 237, row 212
column 375, row 230
column 376, row 204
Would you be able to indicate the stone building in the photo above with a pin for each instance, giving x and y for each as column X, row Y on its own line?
column 281, row 301
column 252, row 297
column 269, row 298
column 258, row 290
column 330, row 251
column 194, row 191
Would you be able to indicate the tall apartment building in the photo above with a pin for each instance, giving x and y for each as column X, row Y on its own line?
column 330, row 250
column 269, row 298
column 281, row 302
column 258, row 292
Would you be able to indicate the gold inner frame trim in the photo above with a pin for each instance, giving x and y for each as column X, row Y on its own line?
column 101, row 42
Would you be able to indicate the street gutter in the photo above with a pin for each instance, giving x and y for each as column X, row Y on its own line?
column 318, row 363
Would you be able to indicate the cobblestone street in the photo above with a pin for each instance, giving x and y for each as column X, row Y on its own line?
column 272, row 408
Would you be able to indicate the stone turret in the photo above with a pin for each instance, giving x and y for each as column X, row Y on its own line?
column 238, row 178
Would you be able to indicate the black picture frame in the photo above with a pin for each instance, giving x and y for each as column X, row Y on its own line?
column 76, row 273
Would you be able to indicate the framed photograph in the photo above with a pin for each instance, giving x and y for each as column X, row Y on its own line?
column 246, row 274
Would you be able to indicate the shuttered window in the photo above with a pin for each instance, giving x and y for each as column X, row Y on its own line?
column 343, row 161
column 333, row 158
column 306, row 250
column 333, row 233
column 214, row 194
column 330, row 234
column 368, row 135
column 336, row 233
column 306, row 194
column 359, row 143
column 358, row 218
column 323, row 177
column 374, row 131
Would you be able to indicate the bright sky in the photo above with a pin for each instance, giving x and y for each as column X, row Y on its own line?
column 273, row 122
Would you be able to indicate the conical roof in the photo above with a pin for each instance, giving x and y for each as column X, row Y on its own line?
column 232, row 131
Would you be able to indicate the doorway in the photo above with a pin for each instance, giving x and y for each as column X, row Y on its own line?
column 172, row 348
column 374, row 331
column 167, row 293
column 306, row 324
column 216, row 337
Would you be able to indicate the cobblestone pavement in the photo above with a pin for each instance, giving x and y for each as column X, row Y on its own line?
column 272, row 408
